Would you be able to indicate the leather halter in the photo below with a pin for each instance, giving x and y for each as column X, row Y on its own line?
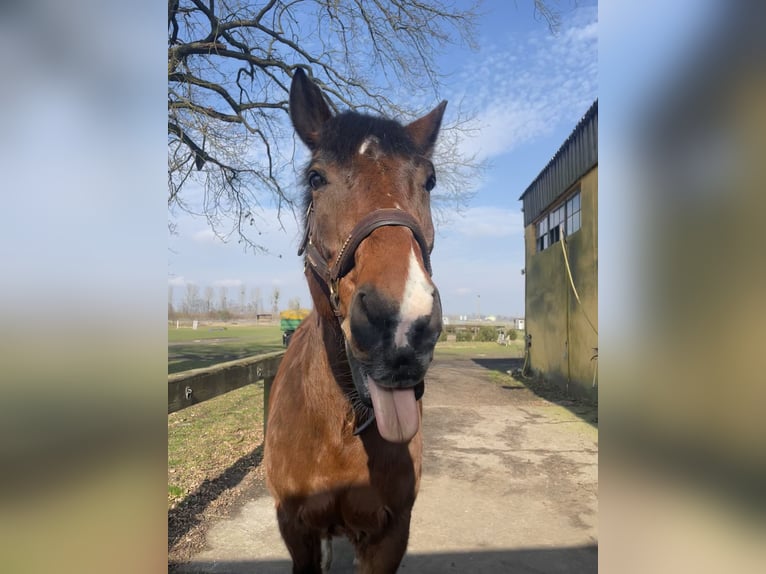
column 344, row 262
column 331, row 275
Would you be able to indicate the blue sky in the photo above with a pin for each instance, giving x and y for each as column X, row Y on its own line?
column 526, row 88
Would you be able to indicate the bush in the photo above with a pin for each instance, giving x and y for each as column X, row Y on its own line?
column 486, row 334
column 443, row 336
column 512, row 334
column 463, row 335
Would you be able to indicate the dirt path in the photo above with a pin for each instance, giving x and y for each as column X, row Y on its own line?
column 509, row 485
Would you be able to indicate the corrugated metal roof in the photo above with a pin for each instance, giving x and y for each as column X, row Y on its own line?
column 576, row 157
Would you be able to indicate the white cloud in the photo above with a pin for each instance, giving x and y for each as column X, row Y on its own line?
column 584, row 33
column 178, row 281
column 524, row 88
column 504, row 125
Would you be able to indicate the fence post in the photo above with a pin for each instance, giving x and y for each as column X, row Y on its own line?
column 267, row 381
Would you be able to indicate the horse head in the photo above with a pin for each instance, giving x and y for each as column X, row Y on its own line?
column 367, row 243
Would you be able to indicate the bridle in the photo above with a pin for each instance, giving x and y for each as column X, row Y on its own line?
column 331, row 274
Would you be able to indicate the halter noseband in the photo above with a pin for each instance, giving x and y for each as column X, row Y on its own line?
column 344, row 262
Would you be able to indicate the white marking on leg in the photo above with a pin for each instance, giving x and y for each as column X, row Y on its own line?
column 417, row 301
column 326, row 554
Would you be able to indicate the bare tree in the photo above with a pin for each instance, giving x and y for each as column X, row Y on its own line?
column 191, row 300
column 171, row 308
column 275, row 301
column 229, row 69
column 242, row 294
column 294, row 304
column 551, row 16
column 256, row 300
column 223, row 293
column 208, row 299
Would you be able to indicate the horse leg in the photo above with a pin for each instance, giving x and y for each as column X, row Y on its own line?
column 304, row 544
column 326, row 554
column 383, row 555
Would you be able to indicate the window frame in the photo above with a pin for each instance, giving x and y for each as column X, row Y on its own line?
column 564, row 213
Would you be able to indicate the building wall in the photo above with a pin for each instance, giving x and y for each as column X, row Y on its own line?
column 562, row 339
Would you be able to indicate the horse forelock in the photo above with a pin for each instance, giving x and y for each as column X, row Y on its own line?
column 344, row 135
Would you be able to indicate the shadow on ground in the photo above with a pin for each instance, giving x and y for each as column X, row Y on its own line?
column 573, row 560
column 585, row 410
column 187, row 513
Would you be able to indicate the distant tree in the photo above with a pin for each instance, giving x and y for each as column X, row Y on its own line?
column 223, row 304
column 242, row 294
column 275, row 301
column 257, row 300
column 208, row 299
column 294, row 304
column 171, row 308
column 191, row 299
column 229, row 68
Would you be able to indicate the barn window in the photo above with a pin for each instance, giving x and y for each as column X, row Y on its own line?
column 563, row 218
column 573, row 213
column 542, row 234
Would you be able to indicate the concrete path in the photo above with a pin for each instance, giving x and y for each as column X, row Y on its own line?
column 509, row 485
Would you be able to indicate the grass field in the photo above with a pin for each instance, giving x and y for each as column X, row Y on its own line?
column 191, row 349
column 205, row 439
column 480, row 349
column 212, row 344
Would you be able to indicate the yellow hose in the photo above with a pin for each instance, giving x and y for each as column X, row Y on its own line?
column 574, row 289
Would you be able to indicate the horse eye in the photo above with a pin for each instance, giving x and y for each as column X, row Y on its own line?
column 430, row 182
column 316, row 180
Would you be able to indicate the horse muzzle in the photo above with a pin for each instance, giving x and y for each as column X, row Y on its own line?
column 389, row 353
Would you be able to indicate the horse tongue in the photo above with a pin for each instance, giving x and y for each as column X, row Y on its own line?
column 396, row 412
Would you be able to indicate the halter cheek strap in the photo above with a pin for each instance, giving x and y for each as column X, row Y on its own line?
column 344, row 262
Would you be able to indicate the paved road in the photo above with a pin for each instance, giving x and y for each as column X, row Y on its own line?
column 509, row 485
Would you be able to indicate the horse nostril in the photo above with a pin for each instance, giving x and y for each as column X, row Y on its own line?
column 423, row 333
column 362, row 296
column 371, row 317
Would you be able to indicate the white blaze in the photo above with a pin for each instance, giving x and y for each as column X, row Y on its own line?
column 418, row 300
column 366, row 143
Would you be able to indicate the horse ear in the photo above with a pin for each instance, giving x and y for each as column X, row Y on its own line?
column 425, row 130
column 308, row 108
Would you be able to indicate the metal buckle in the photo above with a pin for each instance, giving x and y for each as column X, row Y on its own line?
column 334, row 296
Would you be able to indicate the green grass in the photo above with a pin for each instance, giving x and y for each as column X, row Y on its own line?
column 175, row 492
column 208, row 345
column 505, row 380
column 479, row 349
column 205, row 439
column 251, row 332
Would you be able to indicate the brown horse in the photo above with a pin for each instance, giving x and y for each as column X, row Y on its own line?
column 343, row 443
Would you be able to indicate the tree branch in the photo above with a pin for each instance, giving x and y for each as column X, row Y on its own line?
column 229, row 70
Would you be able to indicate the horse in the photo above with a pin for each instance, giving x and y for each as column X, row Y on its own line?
column 343, row 445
